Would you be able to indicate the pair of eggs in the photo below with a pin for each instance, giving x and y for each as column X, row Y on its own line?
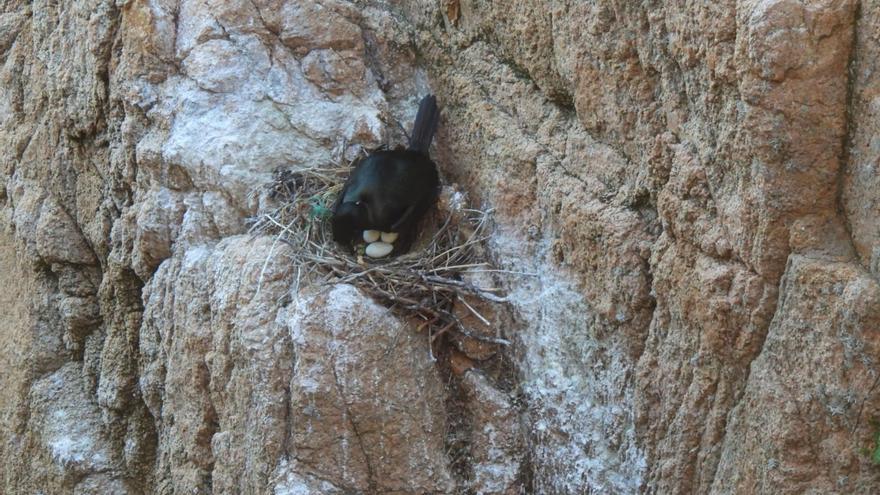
column 377, row 248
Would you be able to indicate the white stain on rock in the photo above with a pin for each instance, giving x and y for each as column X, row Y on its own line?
column 70, row 428
column 577, row 385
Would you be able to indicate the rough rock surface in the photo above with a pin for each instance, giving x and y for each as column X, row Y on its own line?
column 367, row 410
column 686, row 194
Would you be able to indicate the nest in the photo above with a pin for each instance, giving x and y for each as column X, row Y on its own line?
column 431, row 283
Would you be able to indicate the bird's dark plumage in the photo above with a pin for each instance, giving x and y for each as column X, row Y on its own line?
column 425, row 125
column 391, row 190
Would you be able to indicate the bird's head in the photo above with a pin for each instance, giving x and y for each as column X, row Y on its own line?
column 349, row 221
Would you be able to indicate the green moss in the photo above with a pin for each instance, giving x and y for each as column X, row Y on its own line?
column 873, row 452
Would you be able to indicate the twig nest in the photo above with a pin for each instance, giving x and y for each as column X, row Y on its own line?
column 378, row 249
column 389, row 237
column 371, row 235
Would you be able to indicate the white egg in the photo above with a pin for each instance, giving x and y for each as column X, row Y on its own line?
column 389, row 237
column 378, row 249
column 371, row 235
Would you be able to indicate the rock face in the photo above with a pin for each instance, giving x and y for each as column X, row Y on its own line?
column 686, row 194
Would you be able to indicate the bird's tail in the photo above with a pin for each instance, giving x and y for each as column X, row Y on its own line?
column 425, row 125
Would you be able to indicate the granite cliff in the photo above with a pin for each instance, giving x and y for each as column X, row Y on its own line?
column 695, row 183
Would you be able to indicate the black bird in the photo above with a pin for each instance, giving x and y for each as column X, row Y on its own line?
column 391, row 190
